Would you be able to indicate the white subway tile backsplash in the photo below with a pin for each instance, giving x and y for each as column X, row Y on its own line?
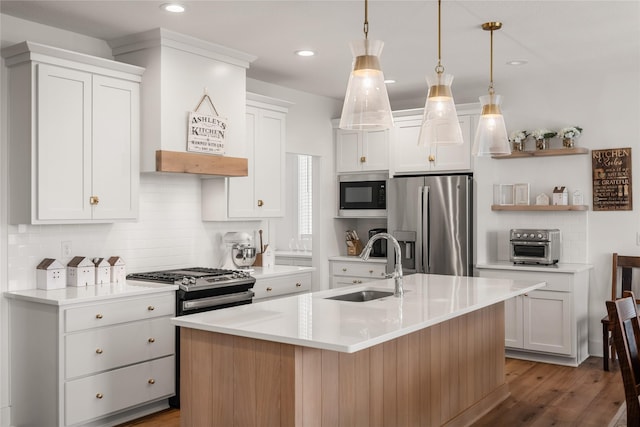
column 168, row 234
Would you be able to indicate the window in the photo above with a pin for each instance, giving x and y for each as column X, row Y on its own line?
column 305, row 193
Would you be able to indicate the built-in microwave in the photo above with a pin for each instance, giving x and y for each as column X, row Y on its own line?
column 362, row 195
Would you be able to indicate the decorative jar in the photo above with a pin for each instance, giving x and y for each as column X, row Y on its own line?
column 542, row 144
column 567, row 142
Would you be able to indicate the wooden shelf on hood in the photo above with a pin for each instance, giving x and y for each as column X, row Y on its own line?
column 203, row 164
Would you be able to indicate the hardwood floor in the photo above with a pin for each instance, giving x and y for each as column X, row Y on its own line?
column 541, row 395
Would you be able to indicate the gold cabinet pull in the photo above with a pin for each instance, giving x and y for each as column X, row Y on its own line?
column 432, row 158
column 298, row 285
column 151, row 340
column 363, row 159
column 344, row 268
column 99, row 395
column 98, row 350
column 98, row 316
column 151, row 381
column 370, row 271
column 260, row 202
column 269, row 289
column 94, row 200
column 151, row 308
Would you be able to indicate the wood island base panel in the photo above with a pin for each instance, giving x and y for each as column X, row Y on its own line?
column 448, row 374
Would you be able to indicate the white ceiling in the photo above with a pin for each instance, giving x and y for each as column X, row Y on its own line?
column 553, row 36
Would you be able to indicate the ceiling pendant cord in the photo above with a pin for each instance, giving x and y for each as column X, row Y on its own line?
column 366, row 103
column 440, row 124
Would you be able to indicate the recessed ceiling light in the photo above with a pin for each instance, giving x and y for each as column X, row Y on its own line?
column 305, row 52
column 517, row 62
column 172, row 7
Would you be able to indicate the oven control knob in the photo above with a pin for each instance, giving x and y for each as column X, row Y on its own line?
column 185, row 280
column 518, row 235
column 524, row 235
column 192, row 280
column 539, row 236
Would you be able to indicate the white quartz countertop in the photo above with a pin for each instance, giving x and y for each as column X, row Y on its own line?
column 74, row 295
column 556, row 268
column 279, row 270
column 311, row 320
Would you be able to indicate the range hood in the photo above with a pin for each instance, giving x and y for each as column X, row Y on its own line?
column 179, row 70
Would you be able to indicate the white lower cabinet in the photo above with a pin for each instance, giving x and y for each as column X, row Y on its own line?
column 91, row 363
column 549, row 324
column 268, row 287
column 348, row 273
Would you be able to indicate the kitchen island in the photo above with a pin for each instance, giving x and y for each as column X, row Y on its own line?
column 433, row 357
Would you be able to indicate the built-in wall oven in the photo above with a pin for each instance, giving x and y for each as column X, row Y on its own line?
column 201, row 289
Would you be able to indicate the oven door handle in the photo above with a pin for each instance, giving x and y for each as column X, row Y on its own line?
column 212, row 302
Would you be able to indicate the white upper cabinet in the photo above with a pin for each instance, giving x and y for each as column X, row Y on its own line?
column 74, row 137
column 361, row 151
column 261, row 193
column 407, row 157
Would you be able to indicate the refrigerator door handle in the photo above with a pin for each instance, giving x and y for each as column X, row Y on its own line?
column 424, row 223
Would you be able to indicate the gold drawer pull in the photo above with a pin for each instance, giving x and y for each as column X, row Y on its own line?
column 260, row 202
column 344, row 268
column 99, row 350
column 356, row 281
column 432, row 158
column 151, row 340
column 370, row 271
column 298, row 285
column 98, row 316
column 363, row 159
column 94, row 200
column 269, row 289
column 99, row 396
column 151, row 381
column 151, row 308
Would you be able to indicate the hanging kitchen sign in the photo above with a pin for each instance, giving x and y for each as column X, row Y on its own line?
column 206, row 133
column 612, row 179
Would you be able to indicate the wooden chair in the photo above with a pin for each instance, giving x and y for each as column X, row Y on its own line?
column 627, row 264
column 626, row 338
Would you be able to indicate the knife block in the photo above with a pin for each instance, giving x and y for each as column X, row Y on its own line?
column 355, row 249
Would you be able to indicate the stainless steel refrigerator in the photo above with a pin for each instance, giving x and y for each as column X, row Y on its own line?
column 432, row 218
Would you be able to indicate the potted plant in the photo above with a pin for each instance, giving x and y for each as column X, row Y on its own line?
column 542, row 137
column 517, row 138
column 569, row 134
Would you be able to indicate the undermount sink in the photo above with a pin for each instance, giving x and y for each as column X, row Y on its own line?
column 362, row 296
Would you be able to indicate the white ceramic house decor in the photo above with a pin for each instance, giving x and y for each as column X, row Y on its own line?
column 81, row 272
column 118, row 271
column 560, row 196
column 103, row 271
column 51, row 274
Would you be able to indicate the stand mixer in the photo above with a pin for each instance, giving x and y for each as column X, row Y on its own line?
column 239, row 252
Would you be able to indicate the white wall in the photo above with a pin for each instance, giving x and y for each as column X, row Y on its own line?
column 607, row 106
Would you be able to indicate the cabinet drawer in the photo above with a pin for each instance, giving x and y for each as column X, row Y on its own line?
column 101, row 394
column 359, row 269
column 283, row 285
column 119, row 311
column 559, row 282
column 98, row 350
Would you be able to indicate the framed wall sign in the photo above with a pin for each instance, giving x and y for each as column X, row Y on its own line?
column 611, row 171
column 206, row 133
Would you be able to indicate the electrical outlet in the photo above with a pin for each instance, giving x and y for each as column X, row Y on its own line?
column 65, row 249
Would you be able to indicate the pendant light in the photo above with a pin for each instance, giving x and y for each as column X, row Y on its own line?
column 440, row 123
column 491, row 135
column 366, row 103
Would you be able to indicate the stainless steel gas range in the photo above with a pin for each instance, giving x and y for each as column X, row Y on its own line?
column 201, row 289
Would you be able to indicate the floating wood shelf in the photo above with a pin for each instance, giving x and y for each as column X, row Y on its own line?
column 539, row 207
column 204, row 164
column 544, row 153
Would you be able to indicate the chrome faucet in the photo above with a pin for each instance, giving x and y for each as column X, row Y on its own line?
column 397, row 271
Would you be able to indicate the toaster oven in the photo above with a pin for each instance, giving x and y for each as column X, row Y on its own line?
column 535, row 246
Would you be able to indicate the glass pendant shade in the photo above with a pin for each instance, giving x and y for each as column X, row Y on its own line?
column 440, row 123
column 366, row 103
column 491, row 135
